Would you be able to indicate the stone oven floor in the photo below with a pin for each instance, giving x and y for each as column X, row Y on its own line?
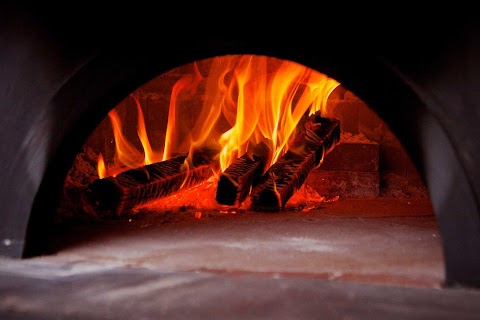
column 353, row 258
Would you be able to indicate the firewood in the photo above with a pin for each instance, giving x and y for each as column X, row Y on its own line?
column 289, row 173
column 236, row 182
column 129, row 189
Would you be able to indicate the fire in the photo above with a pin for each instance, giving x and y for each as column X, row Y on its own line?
column 256, row 98
column 150, row 156
column 127, row 156
column 186, row 83
column 102, row 171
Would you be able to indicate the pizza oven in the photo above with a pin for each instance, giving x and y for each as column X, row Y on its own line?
column 73, row 91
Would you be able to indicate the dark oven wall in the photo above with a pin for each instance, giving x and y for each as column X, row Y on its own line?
column 61, row 73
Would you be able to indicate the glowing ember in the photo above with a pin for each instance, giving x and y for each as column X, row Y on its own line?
column 198, row 197
column 306, row 199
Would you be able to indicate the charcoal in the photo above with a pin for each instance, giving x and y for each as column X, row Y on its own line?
column 289, row 173
column 236, row 182
column 136, row 187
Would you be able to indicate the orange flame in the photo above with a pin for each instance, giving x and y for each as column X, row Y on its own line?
column 256, row 98
column 142, row 134
column 127, row 156
column 268, row 103
column 186, row 83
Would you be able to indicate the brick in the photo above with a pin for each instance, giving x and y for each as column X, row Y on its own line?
column 347, row 112
column 349, row 95
column 347, row 184
column 155, row 112
column 338, row 93
column 370, row 124
column 352, row 156
column 394, row 159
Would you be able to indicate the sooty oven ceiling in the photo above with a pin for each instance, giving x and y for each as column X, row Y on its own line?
column 61, row 71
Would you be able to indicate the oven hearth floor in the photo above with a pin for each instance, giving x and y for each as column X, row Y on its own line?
column 348, row 259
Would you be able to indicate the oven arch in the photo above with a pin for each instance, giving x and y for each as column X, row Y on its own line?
column 403, row 92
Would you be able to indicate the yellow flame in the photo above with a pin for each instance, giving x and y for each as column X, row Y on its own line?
column 101, row 167
column 268, row 104
column 247, row 99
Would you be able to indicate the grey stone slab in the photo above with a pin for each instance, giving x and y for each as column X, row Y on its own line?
column 139, row 293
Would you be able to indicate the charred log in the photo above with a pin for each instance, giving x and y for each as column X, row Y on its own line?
column 136, row 187
column 236, row 182
column 289, row 173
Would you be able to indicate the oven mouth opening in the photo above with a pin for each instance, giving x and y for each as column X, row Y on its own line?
column 352, row 216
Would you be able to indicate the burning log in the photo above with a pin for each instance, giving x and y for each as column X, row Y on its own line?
column 135, row 187
column 236, row 182
column 289, row 173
